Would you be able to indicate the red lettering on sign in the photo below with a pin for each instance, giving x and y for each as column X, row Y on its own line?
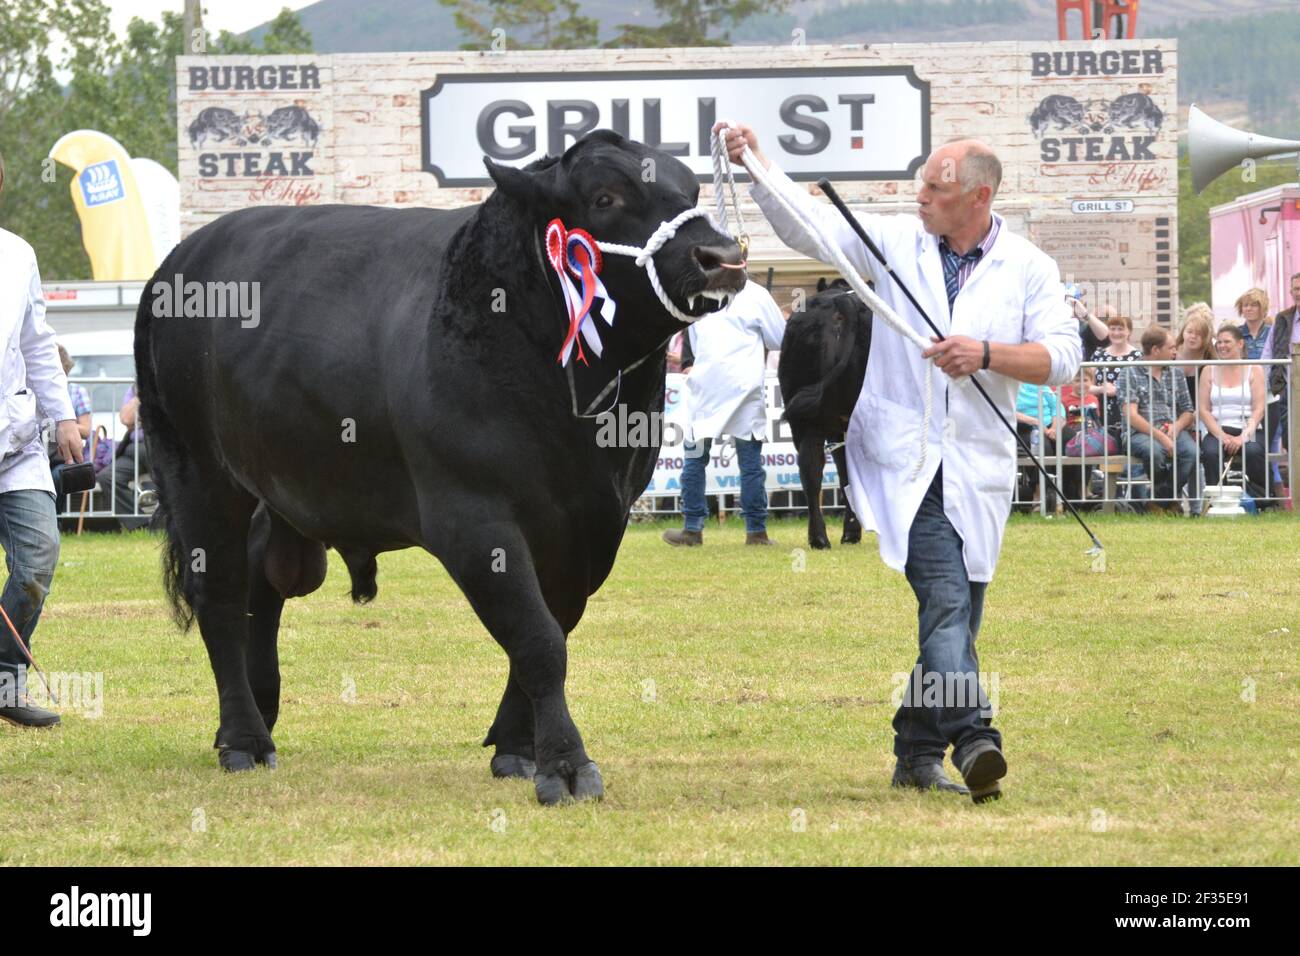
column 297, row 192
column 1142, row 177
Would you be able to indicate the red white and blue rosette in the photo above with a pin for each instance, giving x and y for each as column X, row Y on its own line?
column 574, row 255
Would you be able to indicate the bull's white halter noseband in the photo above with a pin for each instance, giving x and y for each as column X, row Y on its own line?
column 645, row 255
column 575, row 254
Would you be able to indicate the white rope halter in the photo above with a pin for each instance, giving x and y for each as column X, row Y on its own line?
column 829, row 253
column 645, row 256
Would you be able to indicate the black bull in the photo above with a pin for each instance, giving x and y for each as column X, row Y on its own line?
column 824, row 356
column 400, row 389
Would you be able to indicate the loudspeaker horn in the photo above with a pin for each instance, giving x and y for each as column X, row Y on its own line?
column 1214, row 147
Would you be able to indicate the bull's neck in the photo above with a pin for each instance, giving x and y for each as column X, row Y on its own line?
column 495, row 259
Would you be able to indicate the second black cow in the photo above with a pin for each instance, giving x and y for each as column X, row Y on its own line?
column 823, row 361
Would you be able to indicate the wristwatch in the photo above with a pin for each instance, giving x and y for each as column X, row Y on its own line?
column 986, row 354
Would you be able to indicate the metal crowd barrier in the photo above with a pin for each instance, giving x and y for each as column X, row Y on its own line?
column 1122, row 480
column 1110, row 481
column 778, row 502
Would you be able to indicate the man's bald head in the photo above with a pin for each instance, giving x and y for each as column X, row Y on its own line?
column 976, row 164
column 952, row 194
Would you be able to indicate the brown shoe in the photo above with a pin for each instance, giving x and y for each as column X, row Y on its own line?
column 684, row 539
column 758, row 537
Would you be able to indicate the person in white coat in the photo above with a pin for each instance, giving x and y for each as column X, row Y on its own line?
column 1000, row 304
column 34, row 387
column 724, row 396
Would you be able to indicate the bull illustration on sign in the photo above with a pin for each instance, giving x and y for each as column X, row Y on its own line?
column 282, row 125
column 1132, row 111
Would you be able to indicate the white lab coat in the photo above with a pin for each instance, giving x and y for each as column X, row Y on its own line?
column 32, row 383
column 724, row 391
column 1014, row 295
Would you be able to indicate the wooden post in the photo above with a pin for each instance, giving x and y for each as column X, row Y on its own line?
column 193, row 22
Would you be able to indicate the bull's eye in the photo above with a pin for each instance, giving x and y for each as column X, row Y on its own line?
column 604, row 201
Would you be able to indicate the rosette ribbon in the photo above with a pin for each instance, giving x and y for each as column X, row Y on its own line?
column 576, row 259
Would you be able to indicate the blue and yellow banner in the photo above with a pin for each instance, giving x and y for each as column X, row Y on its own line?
column 114, row 226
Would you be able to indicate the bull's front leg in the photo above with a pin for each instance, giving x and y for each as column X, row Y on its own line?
column 495, row 571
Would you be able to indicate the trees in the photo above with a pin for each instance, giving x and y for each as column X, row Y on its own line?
column 522, row 24
column 62, row 69
column 694, row 22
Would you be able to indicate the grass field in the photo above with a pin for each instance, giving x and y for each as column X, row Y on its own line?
column 739, row 710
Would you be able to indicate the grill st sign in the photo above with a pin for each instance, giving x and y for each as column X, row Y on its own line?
column 844, row 123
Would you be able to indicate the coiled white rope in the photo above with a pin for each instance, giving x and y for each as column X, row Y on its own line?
column 831, row 255
column 645, row 255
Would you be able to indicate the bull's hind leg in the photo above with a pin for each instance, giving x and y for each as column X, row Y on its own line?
column 495, row 571
column 212, row 521
column 264, row 606
column 812, row 463
column 512, row 734
column 281, row 564
column 852, row 528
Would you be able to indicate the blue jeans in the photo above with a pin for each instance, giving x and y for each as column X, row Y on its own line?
column 944, row 702
column 1165, row 484
column 753, row 489
column 29, row 533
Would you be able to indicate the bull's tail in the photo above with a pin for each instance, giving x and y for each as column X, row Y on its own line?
column 806, row 404
column 168, row 456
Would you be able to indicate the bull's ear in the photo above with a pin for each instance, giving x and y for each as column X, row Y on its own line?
column 515, row 183
column 821, row 284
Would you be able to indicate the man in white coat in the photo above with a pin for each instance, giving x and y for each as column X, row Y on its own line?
column 999, row 301
column 32, row 378
column 724, row 396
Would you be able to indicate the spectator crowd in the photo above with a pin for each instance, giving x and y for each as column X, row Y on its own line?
column 1173, row 425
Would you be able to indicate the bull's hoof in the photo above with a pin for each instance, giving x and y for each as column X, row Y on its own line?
column 567, row 785
column 513, row 766
column 821, row 544
column 234, row 761
column 852, row 530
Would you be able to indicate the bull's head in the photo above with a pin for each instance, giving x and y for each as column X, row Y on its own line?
column 621, row 191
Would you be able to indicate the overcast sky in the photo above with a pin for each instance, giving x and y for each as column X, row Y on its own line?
column 233, row 15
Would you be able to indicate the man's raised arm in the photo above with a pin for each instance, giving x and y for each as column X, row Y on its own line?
column 829, row 222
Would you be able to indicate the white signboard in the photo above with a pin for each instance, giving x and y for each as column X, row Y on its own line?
column 862, row 122
column 722, row 475
column 1101, row 205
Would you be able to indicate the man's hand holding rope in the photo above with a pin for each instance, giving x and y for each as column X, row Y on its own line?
column 957, row 355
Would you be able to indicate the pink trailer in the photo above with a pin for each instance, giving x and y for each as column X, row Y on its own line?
column 1255, row 241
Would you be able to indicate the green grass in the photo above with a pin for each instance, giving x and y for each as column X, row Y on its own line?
column 1119, row 694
